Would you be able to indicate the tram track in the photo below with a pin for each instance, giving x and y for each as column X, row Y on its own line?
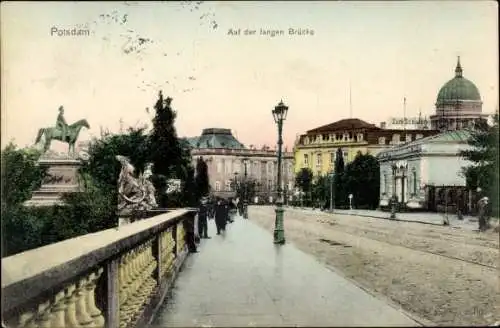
column 383, row 240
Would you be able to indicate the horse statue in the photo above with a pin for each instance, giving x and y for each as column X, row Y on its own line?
column 53, row 133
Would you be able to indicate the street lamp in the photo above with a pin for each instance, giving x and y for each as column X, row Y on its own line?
column 279, row 114
column 245, row 194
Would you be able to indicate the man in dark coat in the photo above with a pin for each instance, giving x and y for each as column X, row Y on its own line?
column 203, row 219
column 220, row 216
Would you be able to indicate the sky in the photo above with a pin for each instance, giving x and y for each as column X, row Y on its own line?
column 378, row 52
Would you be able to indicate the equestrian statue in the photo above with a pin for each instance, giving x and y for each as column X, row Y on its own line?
column 62, row 132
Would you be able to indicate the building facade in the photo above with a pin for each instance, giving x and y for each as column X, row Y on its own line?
column 226, row 158
column 458, row 104
column 426, row 174
column 317, row 148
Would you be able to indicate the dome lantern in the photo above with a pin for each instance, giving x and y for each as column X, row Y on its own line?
column 458, row 69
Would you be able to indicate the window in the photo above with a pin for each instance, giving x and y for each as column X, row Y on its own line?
column 408, row 137
column 345, row 155
column 395, row 138
column 237, row 166
column 228, row 185
column 217, row 186
column 332, row 157
column 270, row 184
column 350, row 136
column 385, row 184
column 414, row 182
column 306, row 159
column 227, row 166
column 318, row 160
column 360, row 136
column 338, row 136
column 381, row 140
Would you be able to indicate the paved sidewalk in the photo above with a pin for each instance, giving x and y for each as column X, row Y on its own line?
column 468, row 223
column 242, row 279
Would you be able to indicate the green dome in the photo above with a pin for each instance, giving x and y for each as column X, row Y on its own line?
column 458, row 88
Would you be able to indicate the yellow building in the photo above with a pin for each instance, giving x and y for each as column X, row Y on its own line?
column 317, row 148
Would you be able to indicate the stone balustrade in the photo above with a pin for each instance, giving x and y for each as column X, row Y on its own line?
column 115, row 278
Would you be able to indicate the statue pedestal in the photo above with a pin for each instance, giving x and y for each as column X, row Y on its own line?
column 62, row 178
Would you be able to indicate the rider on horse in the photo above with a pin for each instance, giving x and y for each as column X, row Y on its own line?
column 61, row 124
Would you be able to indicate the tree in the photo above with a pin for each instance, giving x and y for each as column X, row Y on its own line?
column 362, row 180
column 21, row 174
column 202, row 179
column 170, row 155
column 245, row 189
column 304, row 180
column 165, row 146
column 321, row 189
column 339, row 167
column 483, row 172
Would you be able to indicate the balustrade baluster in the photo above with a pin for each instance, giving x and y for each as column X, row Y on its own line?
column 70, row 312
column 92, row 309
column 44, row 315
column 82, row 315
column 25, row 320
column 58, row 318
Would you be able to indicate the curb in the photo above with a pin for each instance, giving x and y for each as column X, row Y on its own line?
column 385, row 218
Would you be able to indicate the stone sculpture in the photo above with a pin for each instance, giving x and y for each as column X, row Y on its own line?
column 136, row 196
column 150, row 198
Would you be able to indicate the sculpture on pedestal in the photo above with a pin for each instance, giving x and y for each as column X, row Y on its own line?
column 136, row 196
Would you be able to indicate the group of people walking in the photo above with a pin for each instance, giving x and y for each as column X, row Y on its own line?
column 222, row 210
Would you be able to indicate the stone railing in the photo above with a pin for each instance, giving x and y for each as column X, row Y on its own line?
column 114, row 278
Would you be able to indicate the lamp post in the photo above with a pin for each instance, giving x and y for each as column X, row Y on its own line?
column 279, row 114
column 245, row 194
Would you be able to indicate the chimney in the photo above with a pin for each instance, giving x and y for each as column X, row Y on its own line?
column 382, row 125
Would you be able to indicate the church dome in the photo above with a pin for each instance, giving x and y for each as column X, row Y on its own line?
column 458, row 88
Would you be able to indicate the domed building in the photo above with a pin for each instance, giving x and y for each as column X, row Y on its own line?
column 458, row 104
column 230, row 162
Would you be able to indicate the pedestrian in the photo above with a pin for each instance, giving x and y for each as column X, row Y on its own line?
column 203, row 219
column 482, row 206
column 220, row 216
column 228, row 204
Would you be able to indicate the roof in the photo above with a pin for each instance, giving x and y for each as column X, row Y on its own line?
column 345, row 124
column 456, row 136
column 215, row 138
column 458, row 88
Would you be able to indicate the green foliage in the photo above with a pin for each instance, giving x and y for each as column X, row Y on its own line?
column 201, row 180
column 362, row 179
column 484, row 154
column 245, row 189
column 166, row 149
column 321, row 189
column 21, row 174
column 339, row 162
column 170, row 155
column 103, row 166
column 304, row 179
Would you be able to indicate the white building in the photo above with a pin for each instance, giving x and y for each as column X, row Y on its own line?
column 426, row 173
